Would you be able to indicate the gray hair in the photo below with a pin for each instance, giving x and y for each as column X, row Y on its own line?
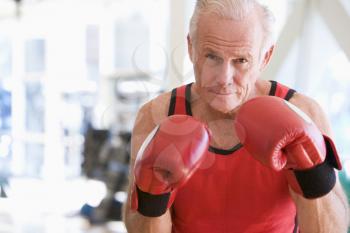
column 236, row 10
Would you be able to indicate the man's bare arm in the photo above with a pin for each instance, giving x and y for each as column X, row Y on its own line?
column 148, row 117
column 331, row 212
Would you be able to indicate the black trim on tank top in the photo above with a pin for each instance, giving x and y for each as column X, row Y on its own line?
column 273, row 88
column 188, row 99
column 290, row 94
column 172, row 103
column 225, row 152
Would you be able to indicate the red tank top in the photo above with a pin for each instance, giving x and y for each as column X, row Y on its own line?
column 232, row 192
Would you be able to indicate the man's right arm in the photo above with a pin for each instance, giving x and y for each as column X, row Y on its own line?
column 147, row 119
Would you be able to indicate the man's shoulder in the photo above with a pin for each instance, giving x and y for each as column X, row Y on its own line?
column 313, row 109
column 305, row 103
column 302, row 101
column 157, row 108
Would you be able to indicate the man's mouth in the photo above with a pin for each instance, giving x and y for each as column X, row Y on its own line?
column 221, row 91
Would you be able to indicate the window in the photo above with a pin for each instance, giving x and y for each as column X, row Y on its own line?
column 92, row 51
column 35, row 56
column 34, row 107
column 5, row 110
column 5, row 57
column 131, row 50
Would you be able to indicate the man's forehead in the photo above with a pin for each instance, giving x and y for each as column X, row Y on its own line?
column 210, row 22
column 213, row 28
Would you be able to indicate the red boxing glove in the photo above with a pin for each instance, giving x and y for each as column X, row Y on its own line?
column 281, row 136
column 166, row 160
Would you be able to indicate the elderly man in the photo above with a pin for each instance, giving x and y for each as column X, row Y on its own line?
column 230, row 152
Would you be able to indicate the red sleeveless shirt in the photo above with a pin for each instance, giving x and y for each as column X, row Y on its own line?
column 232, row 192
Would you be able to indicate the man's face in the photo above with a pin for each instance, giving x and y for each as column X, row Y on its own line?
column 227, row 60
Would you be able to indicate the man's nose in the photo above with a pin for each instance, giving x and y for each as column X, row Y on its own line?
column 226, row 75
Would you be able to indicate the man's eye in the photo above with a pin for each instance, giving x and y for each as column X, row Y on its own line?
column 241, row 60
column 212, row 57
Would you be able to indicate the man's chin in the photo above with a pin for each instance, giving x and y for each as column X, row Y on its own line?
column 224, row 107
column 223, row 103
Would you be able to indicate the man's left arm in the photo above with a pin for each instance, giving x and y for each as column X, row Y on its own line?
column 329, row 213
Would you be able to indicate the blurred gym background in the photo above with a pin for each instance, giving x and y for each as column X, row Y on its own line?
column 74, row 72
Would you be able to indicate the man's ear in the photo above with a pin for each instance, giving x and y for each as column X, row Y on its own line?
column 189, row 47
column 267, row 57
